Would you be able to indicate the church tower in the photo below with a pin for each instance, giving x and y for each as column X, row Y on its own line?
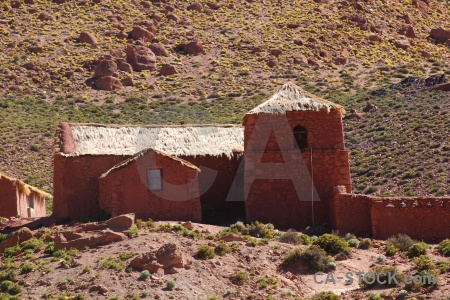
column 294, row 158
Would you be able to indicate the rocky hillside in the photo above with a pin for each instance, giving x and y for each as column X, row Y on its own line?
column 176, row 62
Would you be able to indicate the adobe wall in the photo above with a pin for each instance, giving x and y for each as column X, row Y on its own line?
column 39, row 206
column 125, row 191
column 8, row 199
column 216, row 182
column 75, row 183
column 423, row 218
column 276, row 200
column 324, row 129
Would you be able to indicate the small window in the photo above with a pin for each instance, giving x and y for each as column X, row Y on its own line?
column 154, row 179
column 30, row 201
column 301, row 137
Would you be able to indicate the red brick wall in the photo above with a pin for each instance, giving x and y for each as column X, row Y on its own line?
column 276, row 200
column 75, row 183
column 8, row 199
column 216, row 181
column 125, row 190
column 423, row 218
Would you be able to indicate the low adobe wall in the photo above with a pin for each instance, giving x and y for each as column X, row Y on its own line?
column 39, row 205
column 423, row 218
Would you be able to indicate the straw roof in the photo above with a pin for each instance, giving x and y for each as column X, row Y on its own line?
column 25, row 188
column 291, row 97
column 142, row 153
column 193, row 140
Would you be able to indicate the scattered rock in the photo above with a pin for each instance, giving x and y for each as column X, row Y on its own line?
column 173, row 17
column 99, row 289
column 407, row 31
column 442, row 87
column 122, row 222
column 16, row 4
column 159, row 49
column 408, row 19
column 231, row 237
column 422, row 6
column 425, row 54
column 140, row 33
column 127, row 81
column 69, row 239
column 313, row 63
column 108, row 83
column 402, row 44
column 16, row 238
column 35, row 49
column 214, row 5
column 276, row 52
column 341, row 60
column 141, row 58
column 272, row 62
column 353, row 116
column 440, row 35
column 298, row 42
column 301, row 59
column 167, row 257
column 369, row 107
column 122, row 65
column 45, row 16
column 193, row 48
column 195, row 6
column 88, row 38
column 105, row 68
column 375, row 38
column 188, row 225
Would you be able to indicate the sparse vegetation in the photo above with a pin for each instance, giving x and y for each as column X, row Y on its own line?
column 444, row 247
column 205, row 252
column 313, row 257
column 240, row 278
column 331, row 243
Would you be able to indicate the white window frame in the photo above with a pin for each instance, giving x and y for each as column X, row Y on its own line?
column 154, row 180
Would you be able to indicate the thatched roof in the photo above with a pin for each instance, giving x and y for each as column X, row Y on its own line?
column 193, row 140
column 291, row 97
column 142, row 153
column 25, row 188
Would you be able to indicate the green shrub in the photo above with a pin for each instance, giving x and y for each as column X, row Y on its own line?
column 50, row 248
column 112, row 263
column 444, row 247
column 373, row 296
column 326, row 296
column 170, row 284
column 353, row 243
column 382, row 274
column 264, row 282
column 443, row 266
column 221, row 248
column 5, row 285
column 27, row 268
column 259, row 230
column 313, row 257
column 65, row 256
column 205, row 252
column 381, row 258
column 365, row 244
column 403, row 293
column 3, row 237
column 8, row 275
column 133, row 231
column 15, row 289
column 240, row 278
column 401, row 241
column 417, row 249
column 32, row 244
column 423, row 263
column 331, row 243
column 11, row 251
column 391, row 250
column 290, row 237
column 142, row 224
column 144, row 275
column 349, row 236
column 305, row 239
column 125, row 255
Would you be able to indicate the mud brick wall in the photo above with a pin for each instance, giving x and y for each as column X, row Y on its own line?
column 324, row 130
column 277, row 201
column 75, row 183
column 216, row 183
column 124, row 190
column 8, row 199
column 39, row 206
column 425, row 218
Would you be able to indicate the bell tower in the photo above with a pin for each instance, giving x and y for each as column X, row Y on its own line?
column 294, row 158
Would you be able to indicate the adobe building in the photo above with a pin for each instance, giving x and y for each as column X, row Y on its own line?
column 287, row 165
column 137, row 185
column 20, row 199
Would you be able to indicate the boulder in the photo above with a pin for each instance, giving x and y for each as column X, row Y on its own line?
column 88, row 38
column 232, row 237
column 123, row 221
column 272, row 62
column 374, row 38
column 159, row 49
column 35, row 49
column 105, row 68
column 188, row 225
column 276, row 52
column 369, row 107
column 167, row 70
column 442, row 87
column 173, row 17
column 108, row 83
column 45, row 16
column 69, row 239
column 16, row 238
column 168, row 257
column 440, row 35
column 122, row 65
column 353, row 116
column 141, row 58
column 193, row 48
column 195, row 6
column 402, row 44
column 407, row 31
column 140, row 33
